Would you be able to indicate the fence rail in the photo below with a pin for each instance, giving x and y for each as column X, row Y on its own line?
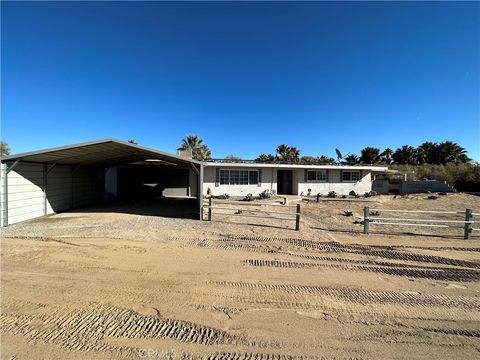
column 369, row 219
column 239, row 212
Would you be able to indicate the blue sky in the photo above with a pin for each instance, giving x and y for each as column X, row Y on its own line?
column 245, row 77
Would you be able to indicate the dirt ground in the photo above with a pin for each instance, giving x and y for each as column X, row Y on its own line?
column 97, row 284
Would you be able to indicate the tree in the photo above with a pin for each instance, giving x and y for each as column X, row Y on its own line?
column 405, row 155
column 386, row 155
column 428, row 153
column 133, row 142
column 326, row 160
column 202, row 153
column 195, row 144
column 265, row 158
column 233, row 158
column 352, row 159
column 450, row 151
column 370, row 155
column 4, row 148
column 288, row 153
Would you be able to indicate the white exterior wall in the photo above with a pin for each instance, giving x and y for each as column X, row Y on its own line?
column 27, row 198
column 25, row 192
column 299, row 185
column 333, row 184
column 268, row 182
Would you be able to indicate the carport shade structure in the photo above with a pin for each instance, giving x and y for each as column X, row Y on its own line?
column 101, row 153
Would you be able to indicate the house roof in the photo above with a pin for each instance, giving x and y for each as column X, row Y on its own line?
column 106, row 152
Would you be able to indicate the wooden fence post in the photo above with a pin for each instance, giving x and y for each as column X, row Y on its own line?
column 366, row 214
column 468, row 224
column 210, row 202
column 297, row 218
column 318, row 197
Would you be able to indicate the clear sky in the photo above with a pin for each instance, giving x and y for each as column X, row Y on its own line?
column 245, row 77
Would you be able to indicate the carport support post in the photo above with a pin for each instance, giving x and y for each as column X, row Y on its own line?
column 297, row 218
column 366, row 214
column 200, row 191
column 210, row 209
column 468, row 224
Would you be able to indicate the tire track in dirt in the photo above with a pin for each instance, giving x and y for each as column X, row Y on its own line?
column 85, row 329
column 447, row 274
column 361, row 296
column 368, row 250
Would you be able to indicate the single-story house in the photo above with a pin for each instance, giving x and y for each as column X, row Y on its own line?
column 49, row 181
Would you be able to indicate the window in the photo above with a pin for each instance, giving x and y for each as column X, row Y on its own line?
column 317, row 175
column 239, row 177
column 351, row 175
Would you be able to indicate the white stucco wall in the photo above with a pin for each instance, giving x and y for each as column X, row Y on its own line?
column 268, row 182
column 334, row 184
column 299, row 185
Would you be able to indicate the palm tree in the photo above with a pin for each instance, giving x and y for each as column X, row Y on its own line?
column 406, row 155
column 386, row 155
column 293, row 155
column 282, row 152
column 202, row 153
column 370, row 155
column 428, row 152
column 450, row 151
column 196, row 146
column 352, row 159
column 265, row 158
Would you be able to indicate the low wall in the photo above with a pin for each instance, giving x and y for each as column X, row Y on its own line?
column 423, row 186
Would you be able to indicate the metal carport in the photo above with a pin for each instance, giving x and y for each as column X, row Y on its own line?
column 44, row 182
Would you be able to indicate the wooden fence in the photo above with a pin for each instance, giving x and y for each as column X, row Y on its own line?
column 466, row 224
column 250, row 211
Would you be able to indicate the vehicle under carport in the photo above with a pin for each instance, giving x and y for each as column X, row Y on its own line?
column 54, row 180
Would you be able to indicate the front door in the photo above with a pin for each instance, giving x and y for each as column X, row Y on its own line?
column 285, row 182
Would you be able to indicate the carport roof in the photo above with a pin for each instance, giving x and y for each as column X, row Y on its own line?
column 101, row 152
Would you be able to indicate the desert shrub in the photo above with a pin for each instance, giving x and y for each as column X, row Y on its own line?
column 332, row 194
column 266, row 194
column 248, row 197
column 348, row 213
column 352, row 193
column 367, row 194
column 344, row 196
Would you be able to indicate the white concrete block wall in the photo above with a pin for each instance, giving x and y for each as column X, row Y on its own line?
column 25, row 192
column 334, row 184
column 268, row 182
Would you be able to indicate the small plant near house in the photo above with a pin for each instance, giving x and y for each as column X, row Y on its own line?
column 332, row 194
column 348, row 213
column 367, row 195
column 249, row 197
column 309, row 192
column 370, row 193
column 352, row 193
column 344, row 196
column 222, row 197
column 266, row 194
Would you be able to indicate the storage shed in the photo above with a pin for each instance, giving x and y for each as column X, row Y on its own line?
column 49, row 181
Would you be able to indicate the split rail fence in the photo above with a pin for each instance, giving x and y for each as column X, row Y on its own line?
column 251, row 212
column 467, row 224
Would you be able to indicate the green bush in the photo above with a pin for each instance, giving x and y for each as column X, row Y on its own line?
column 332, row 194
column 266, row 194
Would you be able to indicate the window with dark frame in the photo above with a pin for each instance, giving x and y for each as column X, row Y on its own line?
column 351, row 175
column 239, row 177
column 316, row 175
